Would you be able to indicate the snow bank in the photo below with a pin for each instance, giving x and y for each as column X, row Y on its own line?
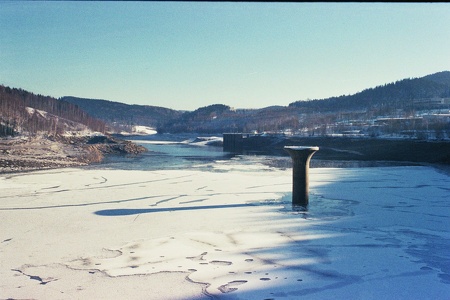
column 32, row 111
column 144, row 130
column 139, row 130
column 82, row 133
column 375, row 233
column 206, row 141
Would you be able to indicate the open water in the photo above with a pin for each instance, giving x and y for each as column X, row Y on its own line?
column 166, row 151
column 177, row 151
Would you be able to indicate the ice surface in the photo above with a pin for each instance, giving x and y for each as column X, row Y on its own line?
column 369, row 233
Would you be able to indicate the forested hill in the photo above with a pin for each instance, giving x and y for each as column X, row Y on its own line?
column 398, row 95
column 125, row 114
column 219, row 118
column 387, row 100
column 25, row 112
column 383, row 100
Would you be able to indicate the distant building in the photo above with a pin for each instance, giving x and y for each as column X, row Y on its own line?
column 387, row 121
column 432, row 102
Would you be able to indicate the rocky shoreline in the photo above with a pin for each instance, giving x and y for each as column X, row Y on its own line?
column 22, row 153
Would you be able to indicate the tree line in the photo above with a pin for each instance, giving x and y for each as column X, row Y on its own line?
column 386, row 98
column 22, row 111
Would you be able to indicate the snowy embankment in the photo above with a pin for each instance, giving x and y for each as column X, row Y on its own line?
column 206, row 141
column 140, row 130
column 375, row 233
column 198, row 141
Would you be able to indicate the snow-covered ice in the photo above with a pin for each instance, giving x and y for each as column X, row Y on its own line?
column 369, row 233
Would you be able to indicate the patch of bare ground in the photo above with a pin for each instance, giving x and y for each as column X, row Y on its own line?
column 41, row 152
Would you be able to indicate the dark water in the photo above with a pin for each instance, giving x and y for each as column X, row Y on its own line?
column 168, row 151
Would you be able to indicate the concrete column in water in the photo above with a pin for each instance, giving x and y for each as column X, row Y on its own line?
column 301, row 156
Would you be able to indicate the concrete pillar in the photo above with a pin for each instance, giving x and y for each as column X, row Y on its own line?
column 300, row 182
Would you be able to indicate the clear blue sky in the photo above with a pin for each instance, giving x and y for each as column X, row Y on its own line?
column 185, row 55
